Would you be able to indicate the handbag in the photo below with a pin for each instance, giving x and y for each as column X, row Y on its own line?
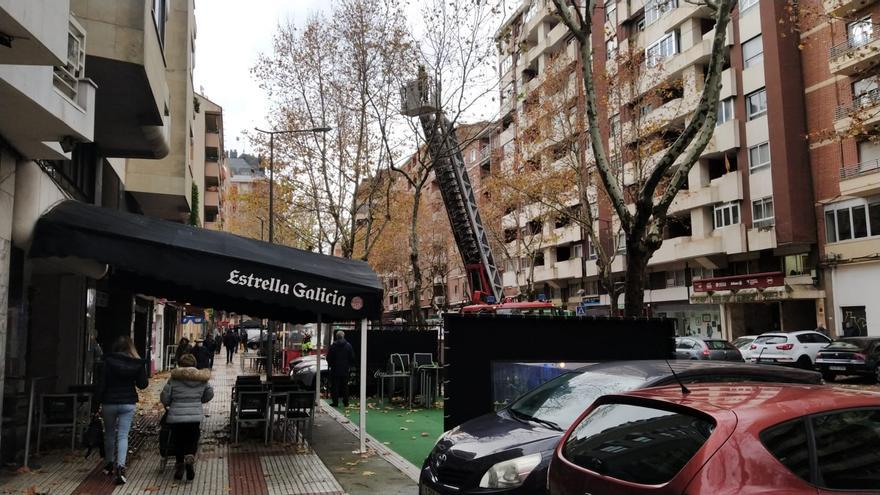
column 94, row 436
column 166, row 446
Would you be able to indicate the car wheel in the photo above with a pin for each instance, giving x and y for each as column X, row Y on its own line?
column 804, row 363
column 829, row 377
column 877, row 373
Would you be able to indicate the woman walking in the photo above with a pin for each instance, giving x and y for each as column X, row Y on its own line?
column 183, row 396
column 123, row 370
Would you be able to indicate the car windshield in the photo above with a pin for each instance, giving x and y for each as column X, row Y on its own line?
column 743, row 341
column 562, row 399
column 719, row 345
column 772, row 339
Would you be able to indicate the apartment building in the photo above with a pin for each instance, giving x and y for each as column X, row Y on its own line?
column 210, row 156
column 246, row 176
column 740, row 254
column 87, row 106
column 841, row 51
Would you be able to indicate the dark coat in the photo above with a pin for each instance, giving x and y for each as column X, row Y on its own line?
column 340, row 358
column 230, row 340
column 203, row 356
column 119, row 377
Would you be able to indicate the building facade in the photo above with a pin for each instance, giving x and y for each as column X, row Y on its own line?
column 95, row 106
column 746, row 213
column 210, row 156
column 841, row 57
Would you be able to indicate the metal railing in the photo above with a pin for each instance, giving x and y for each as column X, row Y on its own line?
column 863, row 101
column 852, row 43
column 860, row 168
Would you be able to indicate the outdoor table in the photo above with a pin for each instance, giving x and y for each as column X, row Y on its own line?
column 429, row 378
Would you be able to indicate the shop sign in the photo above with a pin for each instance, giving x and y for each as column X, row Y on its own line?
column 590, row 301
column 738, row 282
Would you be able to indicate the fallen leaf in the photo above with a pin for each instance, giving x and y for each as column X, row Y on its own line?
column 424, row 433
column 404, row 428
column 368, row 473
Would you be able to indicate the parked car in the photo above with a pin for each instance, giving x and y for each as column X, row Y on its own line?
column 743, row 343
column 508, row 451
column 304, row 369
column 850, row 356
column 788, row 348
column 705, row 348
column 723, row 439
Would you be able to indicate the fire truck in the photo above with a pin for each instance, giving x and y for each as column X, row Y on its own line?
column 419, row 98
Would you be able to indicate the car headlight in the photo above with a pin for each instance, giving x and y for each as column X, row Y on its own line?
column 511, row 473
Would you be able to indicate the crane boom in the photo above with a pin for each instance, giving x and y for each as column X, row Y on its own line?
column 455, row 188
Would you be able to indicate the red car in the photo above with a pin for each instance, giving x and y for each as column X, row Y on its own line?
column 722, row 439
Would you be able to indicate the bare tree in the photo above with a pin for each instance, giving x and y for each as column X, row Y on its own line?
column 644, row 224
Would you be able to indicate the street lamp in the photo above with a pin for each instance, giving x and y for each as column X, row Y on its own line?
column 271, row 354
column 272, row 169
column 262, row 225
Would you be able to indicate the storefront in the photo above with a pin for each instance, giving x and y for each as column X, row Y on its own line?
column 692, row 319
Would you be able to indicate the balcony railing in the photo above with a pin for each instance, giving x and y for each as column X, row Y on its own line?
column 863, row 101
column 860, row 168
column 67, row 76
column 853, row 43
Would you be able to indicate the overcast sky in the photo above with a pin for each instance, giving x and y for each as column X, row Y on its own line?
column 230, row 34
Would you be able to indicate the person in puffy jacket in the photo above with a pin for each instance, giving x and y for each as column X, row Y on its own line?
column 183, row 396
column 123, row 370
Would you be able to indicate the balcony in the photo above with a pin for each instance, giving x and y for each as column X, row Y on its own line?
column 212, row 174
column 863, row 112
column 840, row 8
column 39, row 31
column 126, row 59
column 46, row 106
column 730, row 240
column 725, row 138
column 728, row 187
column 860, row 179
column 212, row 202
column 856, row 54
column 569, row 268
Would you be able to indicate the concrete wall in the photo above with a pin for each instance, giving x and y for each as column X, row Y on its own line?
column 856, row 285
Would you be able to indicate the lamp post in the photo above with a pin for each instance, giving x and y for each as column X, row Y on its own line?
column 262, row 225
column 271, row 344
column 272, row 169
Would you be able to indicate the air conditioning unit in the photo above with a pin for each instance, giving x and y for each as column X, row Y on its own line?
column 439, row 300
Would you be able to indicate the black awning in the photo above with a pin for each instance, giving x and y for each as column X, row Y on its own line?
column 211, row 268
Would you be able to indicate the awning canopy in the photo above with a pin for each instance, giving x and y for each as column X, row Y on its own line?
column 211, row 268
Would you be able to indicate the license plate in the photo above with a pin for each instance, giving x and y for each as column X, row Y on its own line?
column 765, row 360
column 837, row 368
column 427, row 490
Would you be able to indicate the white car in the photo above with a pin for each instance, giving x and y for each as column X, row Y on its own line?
column 743, row 344
column 791, row 348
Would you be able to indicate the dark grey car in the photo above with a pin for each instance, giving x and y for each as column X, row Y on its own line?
column 705, row 348
column 524, row 434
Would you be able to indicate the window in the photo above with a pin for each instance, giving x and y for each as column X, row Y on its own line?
column 753, row 52
column 856, row 466
column 866, row 92
column 726, row 214
column 756, row 104
column 611, row 48
column 160, row 16
column 662, row 49
column 762, row 212
column 610, row 10
column 621, row 242
column 788, row 444
column 746, row 5
column 759, row 157
column 860, row 31
column 506, row 63
column 656, row 9
column 725, row 111
column 855, row 219
column 530, row 12
column 669, row 441
column 67, row 76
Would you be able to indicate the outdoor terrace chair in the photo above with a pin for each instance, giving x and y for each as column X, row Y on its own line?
column 252, row 409
column 425, row 367
column 299, row 412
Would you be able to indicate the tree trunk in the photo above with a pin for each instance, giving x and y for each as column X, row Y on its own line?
column 636, row 277
column 416, row 302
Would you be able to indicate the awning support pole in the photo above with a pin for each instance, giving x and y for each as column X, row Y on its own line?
column 318, row 364
column 362, row 430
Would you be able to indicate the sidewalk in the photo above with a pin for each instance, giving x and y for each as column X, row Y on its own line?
column 250, row 468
